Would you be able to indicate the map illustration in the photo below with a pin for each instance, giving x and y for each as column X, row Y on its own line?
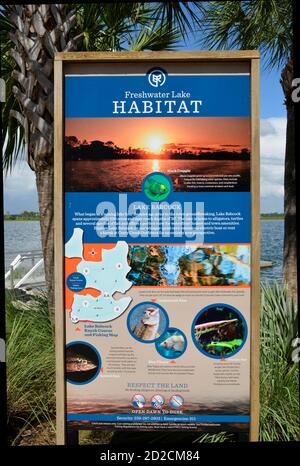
column 103, row 279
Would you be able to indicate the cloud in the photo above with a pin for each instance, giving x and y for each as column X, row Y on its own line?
column 272, row 148
column 20, row 190
column 266, row 128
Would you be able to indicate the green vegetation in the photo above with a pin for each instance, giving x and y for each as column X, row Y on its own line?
column 31, row 377
column 272, row 216
column 26, row 215
column 279, row 382
column 30, row 369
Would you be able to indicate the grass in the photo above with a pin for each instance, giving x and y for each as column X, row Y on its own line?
column 279, row 381
column 30, row 366
column 31, row 376
column 272, row 216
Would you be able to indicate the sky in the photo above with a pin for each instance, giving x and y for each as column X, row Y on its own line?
column 19, row 186
column 146, row 133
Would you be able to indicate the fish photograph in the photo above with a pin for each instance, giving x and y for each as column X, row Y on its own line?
column 147, row 322
column 82, row 363
column 219, row 331
column 147, row 327
column 172, row 344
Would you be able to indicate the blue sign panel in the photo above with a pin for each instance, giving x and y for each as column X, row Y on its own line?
column 157, row 230
column 133, row 96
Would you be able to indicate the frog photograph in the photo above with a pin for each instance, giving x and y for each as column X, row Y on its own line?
column 143, row 146
column 156, row 187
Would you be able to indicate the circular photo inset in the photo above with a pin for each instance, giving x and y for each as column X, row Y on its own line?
column 147, row 321
column 157, row 186
column 83, row 362
column 172, row 344
column 219, row 331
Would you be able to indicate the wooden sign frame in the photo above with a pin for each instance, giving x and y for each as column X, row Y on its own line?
column 163, row 57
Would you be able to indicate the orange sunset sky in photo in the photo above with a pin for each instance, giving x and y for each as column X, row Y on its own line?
column 227, row 133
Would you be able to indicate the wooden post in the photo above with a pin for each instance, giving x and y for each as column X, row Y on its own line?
column 255, row 247
column 59, row 253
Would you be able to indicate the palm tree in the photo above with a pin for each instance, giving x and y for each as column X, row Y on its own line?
column 267, row 25
column 30, row 36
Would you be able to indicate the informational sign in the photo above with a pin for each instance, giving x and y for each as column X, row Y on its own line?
column 159, row 298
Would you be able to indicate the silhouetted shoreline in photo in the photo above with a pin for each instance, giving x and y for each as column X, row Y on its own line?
column 99, row 150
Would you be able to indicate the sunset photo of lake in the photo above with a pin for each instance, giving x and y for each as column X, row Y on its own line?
column 198, row 153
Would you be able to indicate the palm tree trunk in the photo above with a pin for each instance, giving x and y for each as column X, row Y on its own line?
column 40, row 31
column 44, row 183
column 290, row 238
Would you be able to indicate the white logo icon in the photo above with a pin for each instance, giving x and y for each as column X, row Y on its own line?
column 157, row 77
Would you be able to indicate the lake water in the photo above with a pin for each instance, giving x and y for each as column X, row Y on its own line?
column 271, row 244
column 22, row 236
column 128, row 174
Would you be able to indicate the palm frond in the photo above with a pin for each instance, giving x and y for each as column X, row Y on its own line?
column 12, row 130
column 98, row 26
column 106, row 26
column 184, row 15
column 161, row 38
column 255, row 24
